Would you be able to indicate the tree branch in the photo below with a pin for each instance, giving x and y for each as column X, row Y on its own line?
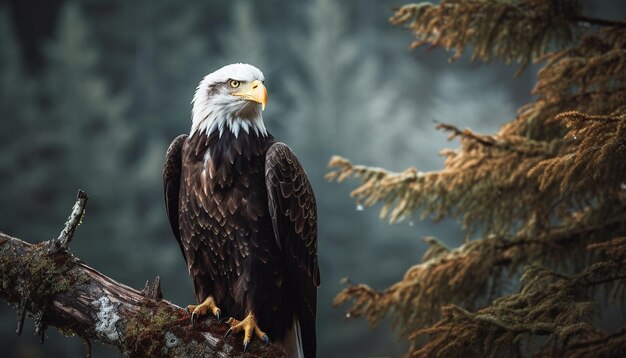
column 55, row 288
column 75, row 219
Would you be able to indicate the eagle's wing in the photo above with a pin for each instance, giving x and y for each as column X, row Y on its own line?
column 294, row 217
column 171, row 184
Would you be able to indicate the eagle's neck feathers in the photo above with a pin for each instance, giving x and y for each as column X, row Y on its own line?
column 219, row 123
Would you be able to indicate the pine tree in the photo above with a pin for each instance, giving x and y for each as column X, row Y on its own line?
column 61, row 129
column 545, row 196
column 168, row 54
column 78, row 135
column 244, row 41
column 16, row 116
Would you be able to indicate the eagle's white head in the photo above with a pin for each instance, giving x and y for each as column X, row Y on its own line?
column 230, row 98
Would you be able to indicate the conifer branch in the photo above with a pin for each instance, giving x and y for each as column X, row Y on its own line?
column 542, row 188
column 509, row 143
column 519, row 31
column 547, row 304
column 456, row 132
column 600, row 151
column 463, row 275
column 597, row 344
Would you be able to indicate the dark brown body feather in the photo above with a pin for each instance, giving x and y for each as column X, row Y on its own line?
column 243, row 212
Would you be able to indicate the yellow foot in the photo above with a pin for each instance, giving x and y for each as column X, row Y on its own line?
column 248, row 326
column 203, row 309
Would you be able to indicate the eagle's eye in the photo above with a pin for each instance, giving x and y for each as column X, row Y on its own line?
column 233, row 83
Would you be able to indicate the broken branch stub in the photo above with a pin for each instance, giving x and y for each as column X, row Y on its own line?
column 75, row 219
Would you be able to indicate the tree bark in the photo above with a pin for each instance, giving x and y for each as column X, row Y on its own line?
column 55, row 288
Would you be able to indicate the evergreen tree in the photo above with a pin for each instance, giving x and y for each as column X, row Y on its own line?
column 17, row 101
column 545, row 195
column 78, row 136
column 65, row 134
column 244, row 42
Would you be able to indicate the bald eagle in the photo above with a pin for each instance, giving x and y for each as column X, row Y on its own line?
column 243, row 211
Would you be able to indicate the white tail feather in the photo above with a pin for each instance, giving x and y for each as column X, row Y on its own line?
column 293, row 341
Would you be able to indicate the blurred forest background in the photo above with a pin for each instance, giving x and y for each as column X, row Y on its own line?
column 92, row 92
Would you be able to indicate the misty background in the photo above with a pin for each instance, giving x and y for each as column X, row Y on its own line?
column 92, row 92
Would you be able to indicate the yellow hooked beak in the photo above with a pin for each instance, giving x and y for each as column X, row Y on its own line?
column 254, row 91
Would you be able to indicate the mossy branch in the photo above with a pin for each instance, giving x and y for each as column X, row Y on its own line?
column 57, row 289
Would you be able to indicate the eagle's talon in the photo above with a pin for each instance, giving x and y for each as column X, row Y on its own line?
column 249, row 327
column 198, row 311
